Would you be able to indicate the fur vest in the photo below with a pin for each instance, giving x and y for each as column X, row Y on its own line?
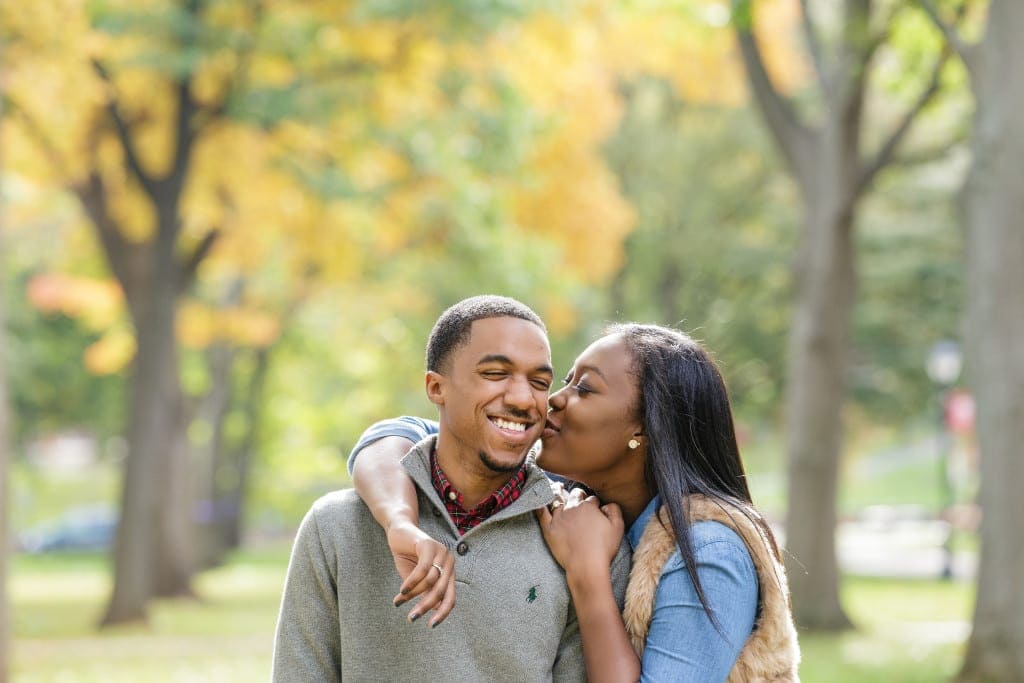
column 771, row 653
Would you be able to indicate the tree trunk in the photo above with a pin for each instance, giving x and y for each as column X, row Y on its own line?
column 212, row 459
column 254, row 402
column 994, row 215
column 153, row 423
column 5, row 459
column 174, row 552
column 816, row 388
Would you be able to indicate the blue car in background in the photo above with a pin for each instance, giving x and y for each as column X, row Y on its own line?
column 89, row 528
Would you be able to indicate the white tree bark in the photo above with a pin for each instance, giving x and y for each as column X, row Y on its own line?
column 993, row 204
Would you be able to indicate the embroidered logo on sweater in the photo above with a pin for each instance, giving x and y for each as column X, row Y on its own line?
column 532, row 595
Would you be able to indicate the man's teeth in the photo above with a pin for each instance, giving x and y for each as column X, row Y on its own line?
column 513, row 426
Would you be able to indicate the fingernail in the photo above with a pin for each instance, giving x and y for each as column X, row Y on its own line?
column 405, row 591
column 413, row 617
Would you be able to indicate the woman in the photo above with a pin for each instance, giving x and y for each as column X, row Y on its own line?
column 644, row 422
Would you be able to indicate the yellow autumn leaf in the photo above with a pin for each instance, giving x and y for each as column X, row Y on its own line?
column 196, row 325
column 248, row 327
column 111, row 353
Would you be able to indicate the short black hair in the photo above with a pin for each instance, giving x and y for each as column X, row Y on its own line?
column 452, row 329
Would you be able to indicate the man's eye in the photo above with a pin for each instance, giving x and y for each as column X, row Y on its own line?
column 493, row 374
column 542, row 384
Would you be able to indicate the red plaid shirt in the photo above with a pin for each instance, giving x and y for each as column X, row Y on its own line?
column 453, row 502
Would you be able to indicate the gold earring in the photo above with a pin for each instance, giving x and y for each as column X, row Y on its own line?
column 633, row 443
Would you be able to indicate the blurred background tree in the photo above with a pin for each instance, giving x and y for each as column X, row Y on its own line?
column 354, row 136
column 6, row 441
column 992, row 209
column 828, row 140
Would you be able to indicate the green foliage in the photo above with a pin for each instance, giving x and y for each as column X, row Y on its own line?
column 911, row 293
column 454, row 19
column 743, row 14
column 714, row 236
column 49, row 387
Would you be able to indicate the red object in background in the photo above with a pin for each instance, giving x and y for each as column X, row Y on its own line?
column 960, row 412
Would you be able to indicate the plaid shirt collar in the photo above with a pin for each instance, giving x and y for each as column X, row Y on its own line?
column 453, row 502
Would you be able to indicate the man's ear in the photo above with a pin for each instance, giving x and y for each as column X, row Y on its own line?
column 435, row 385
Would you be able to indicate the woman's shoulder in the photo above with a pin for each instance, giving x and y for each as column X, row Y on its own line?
column 710, row 532
column 716, row 544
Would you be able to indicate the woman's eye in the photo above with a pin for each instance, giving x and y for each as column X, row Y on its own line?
column 583, row 389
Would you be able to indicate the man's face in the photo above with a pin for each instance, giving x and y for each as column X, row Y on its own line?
column 493, row 397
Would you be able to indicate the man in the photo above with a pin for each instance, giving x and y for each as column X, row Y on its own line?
column 488, row 373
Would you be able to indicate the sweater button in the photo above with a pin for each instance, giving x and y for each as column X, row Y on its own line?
column 462, row 548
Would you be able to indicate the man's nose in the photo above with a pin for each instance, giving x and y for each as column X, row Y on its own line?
column 519, row 394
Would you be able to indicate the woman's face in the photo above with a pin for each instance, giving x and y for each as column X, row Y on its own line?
column 594, row 416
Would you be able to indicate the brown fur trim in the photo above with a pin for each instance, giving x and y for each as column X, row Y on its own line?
column 771, row 653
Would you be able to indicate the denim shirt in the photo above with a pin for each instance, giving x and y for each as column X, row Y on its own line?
column 683, row 644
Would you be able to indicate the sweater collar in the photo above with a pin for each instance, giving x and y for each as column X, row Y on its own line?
column 537, row 489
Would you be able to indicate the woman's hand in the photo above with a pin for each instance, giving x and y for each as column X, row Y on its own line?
column 581, row 533
column 427, row 570
column 584, row 537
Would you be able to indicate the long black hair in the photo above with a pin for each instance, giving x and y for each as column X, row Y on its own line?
column 691, row 440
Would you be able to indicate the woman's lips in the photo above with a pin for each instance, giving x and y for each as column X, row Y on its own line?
column 550, row 429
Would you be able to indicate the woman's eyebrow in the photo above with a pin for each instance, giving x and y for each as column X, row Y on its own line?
column 592, row 368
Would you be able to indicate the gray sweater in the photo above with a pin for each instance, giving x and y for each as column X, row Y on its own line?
column 513, row 620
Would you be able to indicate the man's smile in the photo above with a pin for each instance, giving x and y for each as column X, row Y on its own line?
column 511, row 427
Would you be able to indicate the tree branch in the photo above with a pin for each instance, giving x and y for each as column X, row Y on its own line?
column 123, row 134
column 949, row 31
column 36, row 132
column 240, row 79
column 814, row 45
column 171, row 186
column 931, row 155
column 184, row 140
column 791, row 136
column 191, row 265
column 126, row 260
column 869, row 170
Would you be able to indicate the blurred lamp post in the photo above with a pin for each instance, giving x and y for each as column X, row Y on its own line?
column 944, row 364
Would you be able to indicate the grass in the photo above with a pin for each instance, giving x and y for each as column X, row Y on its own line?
column 909, row 630
column 224, row 635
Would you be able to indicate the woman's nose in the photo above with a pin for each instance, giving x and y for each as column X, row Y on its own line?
column 556, row 401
